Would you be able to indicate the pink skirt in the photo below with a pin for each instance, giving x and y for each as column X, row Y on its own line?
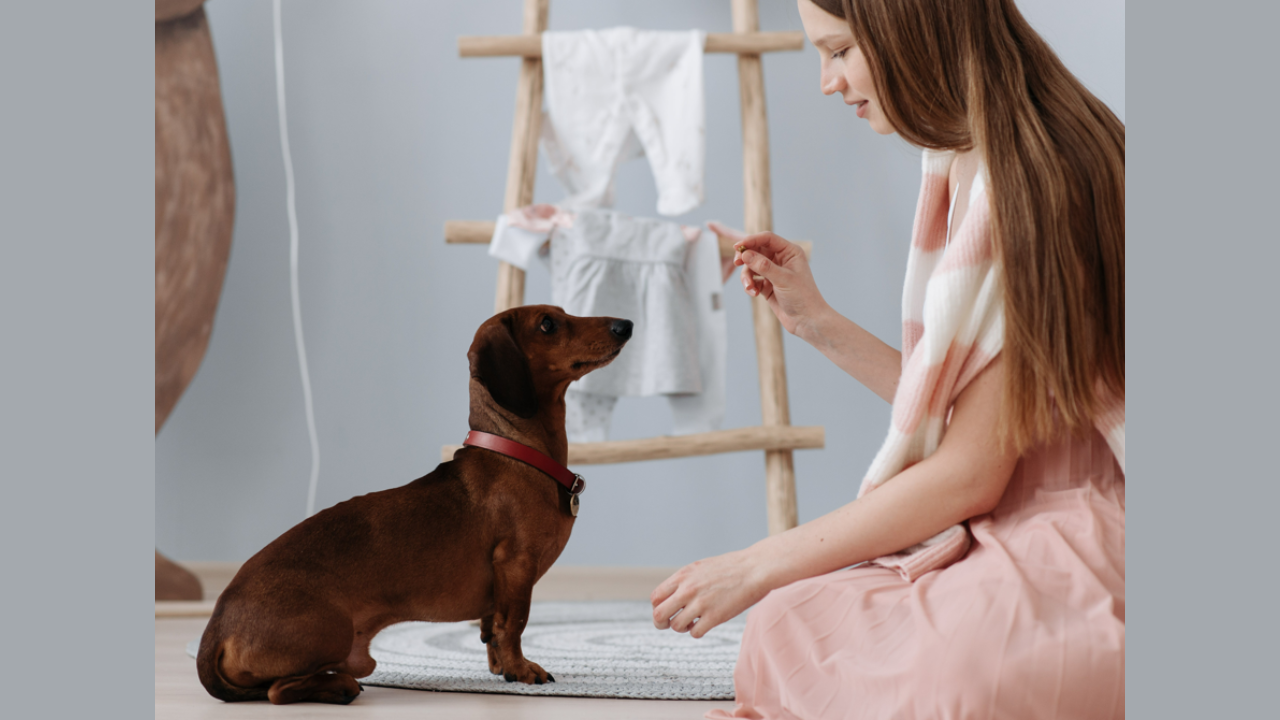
column 1028, row 625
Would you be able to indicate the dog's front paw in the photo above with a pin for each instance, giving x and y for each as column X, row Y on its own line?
column 531, row 674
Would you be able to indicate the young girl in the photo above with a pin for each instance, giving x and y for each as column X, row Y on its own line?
column 990, row 556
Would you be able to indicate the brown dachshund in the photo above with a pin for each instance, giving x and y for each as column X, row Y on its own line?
column 466, row 541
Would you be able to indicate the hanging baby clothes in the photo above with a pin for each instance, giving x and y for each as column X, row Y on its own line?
column 588, row 413
column 704, row 411
column 664, row 277
column 522, row 234
column 615, row 265
column 615, row 94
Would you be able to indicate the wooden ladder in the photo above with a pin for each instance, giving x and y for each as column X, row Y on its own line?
column 775, row 435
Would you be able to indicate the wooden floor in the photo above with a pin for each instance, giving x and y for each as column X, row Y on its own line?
column 179, row 695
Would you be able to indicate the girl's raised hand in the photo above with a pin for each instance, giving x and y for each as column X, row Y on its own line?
column 777, row 270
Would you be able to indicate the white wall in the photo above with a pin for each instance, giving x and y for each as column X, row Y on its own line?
column 392, row 134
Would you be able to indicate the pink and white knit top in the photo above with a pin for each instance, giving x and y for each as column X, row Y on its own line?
column 952, row 327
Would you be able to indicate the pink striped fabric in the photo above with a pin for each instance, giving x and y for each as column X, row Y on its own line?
column 952, row 327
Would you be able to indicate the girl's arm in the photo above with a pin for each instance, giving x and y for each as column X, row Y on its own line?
column 786, row 283
column 864, row 356
column 964, row 477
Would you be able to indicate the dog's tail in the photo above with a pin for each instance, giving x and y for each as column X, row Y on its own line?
column 209, row 667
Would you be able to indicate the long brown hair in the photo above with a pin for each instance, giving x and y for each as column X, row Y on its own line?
column 955, row 74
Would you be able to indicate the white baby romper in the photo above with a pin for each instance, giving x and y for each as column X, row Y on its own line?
column 612, row 94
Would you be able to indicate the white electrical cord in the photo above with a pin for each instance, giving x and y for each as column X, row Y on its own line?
column 293, row 265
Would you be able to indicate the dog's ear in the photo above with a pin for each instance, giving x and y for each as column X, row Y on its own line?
column 498, row 363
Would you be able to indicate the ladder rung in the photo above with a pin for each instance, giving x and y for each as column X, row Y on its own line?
column 469, row 232
column 530, row 46
column 779, row 437
column 480, row 232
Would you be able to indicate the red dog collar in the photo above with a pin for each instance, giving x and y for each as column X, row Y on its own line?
column 571, row 481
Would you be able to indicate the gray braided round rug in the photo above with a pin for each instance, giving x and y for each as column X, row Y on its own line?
column 594, row 649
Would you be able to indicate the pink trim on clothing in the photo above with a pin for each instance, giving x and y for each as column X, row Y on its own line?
column 540, row 218
column 952, row 328
column 930, row 232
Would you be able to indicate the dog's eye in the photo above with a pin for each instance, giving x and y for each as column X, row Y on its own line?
column 548, row 325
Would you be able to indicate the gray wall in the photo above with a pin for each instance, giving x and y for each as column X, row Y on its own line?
column 392, row 134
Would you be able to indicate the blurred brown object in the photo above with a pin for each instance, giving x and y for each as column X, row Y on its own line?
column 195, row 211
column 174, row 582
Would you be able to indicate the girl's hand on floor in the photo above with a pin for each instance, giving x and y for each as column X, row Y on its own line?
column 777, row 270
column 701, row 595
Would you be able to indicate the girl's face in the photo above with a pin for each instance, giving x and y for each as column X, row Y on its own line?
column 844, row 68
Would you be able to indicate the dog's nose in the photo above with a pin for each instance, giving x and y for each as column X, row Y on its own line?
column 621, row 329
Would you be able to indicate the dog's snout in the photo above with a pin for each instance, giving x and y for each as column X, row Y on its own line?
column 621, row 329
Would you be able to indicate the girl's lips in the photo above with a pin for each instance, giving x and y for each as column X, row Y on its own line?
column 862, row 109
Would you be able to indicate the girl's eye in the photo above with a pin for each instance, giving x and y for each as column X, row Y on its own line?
column 548, row 325
column 838, row 55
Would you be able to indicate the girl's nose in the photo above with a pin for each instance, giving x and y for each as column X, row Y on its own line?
column 831, row 82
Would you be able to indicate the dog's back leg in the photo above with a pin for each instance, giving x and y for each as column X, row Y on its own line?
column 334, row 687
column 300, row 657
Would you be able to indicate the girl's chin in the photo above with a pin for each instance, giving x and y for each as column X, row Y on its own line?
column 880, row 125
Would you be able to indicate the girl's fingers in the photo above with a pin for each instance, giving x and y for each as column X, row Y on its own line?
column 765, row 289
column 762, row 273
column 704, row 625
column 765, row 242
column 686, row 619
column 758, row 263
column 662, row 618
column 664, row 589
column 674, row 622
column 662, row 614
column 668, row 609
column 755, row 284
column 777, row 309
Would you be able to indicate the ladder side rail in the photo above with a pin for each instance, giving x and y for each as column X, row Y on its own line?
column 780, row 482
column 522, row 165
